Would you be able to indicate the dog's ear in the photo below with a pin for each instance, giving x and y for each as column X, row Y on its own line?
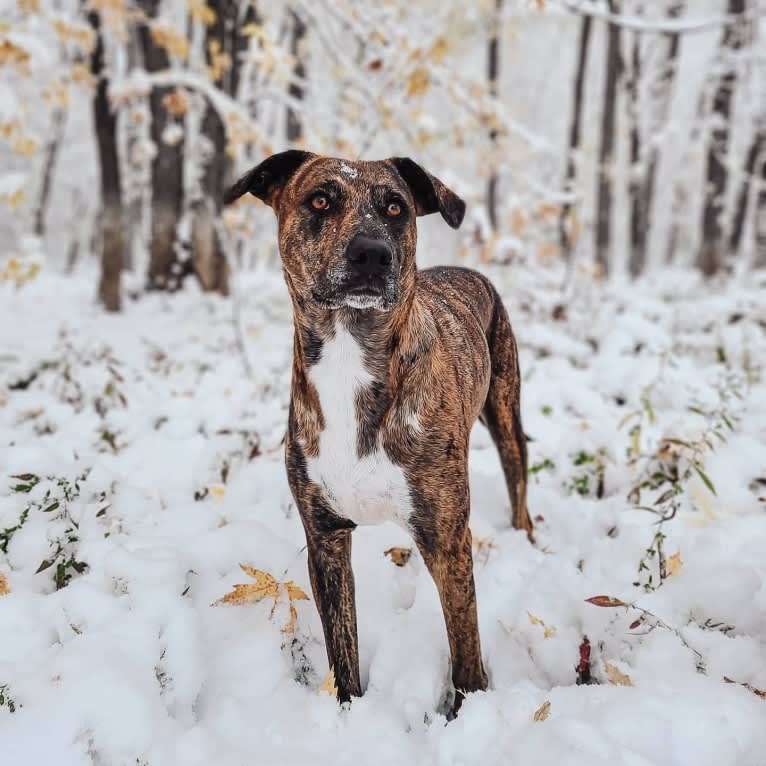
column 268, row 177
column 430, row 194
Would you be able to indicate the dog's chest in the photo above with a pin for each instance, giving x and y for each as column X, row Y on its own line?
column 366, row 490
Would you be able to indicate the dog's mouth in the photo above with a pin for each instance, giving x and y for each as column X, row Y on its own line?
column 365, row 297
column 368, row 294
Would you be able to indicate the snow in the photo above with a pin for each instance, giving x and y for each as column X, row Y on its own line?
column 130, row 663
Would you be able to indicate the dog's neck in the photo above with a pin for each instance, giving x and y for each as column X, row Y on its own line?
column 384, row 336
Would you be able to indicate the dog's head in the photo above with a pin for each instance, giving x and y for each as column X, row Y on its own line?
column 347, row 231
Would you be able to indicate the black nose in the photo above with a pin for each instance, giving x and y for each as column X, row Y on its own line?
column 369, row 256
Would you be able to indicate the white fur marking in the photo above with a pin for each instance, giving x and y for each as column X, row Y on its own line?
column 348, row 170
column 369, row 490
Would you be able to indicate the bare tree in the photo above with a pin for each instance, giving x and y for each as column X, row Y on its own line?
column 660, row 97
column 638, row 215
column 294, row 127
column 760, row 219
column 58, row 124
column 566, row 222
column 710, row 256
column 110, row 218
column 605, row 189
column 493, row 71
column 165, row 269
column 756, row 153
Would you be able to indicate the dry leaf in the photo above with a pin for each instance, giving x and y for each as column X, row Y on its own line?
column 758, row 692
column 266, row 586
column 400, row 556
column 176, row 102
column 4, row 589
column 548, row 630
column 673, row 564
column 605, row 601
column 329, row 684
column 418, row 82
column 218, row 491
column 616, row 678
column 542, row 712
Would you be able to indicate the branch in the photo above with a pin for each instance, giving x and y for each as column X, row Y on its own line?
column 662, row 26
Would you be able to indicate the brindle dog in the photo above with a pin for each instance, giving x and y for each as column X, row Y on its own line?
column 391, row 368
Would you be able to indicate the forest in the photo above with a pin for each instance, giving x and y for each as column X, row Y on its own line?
column 155, row 601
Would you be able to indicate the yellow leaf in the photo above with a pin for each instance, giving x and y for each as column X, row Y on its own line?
column 439, row 50
column 25, row 147
column 418, row 82
column 399, row 556
column 329, row 684
column 4, row 589
column 14, row 200
column 616, row 678
column 57, row 94
column 202, row 12
column 171, row 40
column 294, row 593
column 265, row 586
column 176, row 102
column 673, row 564
column 542, row 712
column 83, row 76
column 548, row 630
column 80, row 35
column 218, row 491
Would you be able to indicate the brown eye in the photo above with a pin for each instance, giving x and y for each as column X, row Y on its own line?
column 320, row 202
column 394, row 209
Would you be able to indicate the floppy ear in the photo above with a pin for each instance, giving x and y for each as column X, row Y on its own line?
column 268, row 177
column 430, row 194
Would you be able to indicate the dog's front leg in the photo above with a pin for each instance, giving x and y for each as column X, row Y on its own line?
column 332, row 580
column 444, row 540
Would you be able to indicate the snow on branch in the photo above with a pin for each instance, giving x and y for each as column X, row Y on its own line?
column 660, row 26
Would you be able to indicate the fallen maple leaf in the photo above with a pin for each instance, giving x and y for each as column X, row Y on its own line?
column 673, row 564
column 266, row 586
column 329, row 684
column 4, row 589
column 616, row 678
column 399, row 556
column 542, row 712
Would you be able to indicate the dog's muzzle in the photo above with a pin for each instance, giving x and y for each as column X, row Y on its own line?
column 369, row 273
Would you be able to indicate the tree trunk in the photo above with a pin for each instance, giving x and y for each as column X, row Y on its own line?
column 49, row 168
column 637, row 203
column 294, row 127
column 110, row 218
column 710, row 256
column 660, row 99
column 493, row 71
column 606, row 150
column 208, row 257
column 760, row 220
column 566, row 222
column 756, row 151
column 166, row 271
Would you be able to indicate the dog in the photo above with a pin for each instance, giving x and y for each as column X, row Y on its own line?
column 391, row 368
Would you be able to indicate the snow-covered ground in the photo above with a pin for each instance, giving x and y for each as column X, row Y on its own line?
column 131, row 662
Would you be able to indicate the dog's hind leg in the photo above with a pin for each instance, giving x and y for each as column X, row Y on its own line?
column 502, row 414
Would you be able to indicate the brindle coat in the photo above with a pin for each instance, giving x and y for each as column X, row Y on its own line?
column 439, row 351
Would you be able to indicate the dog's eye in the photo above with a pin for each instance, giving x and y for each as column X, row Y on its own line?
column 393, row 209
column 320, row 202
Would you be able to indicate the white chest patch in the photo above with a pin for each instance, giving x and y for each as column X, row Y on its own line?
column 368, row 490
